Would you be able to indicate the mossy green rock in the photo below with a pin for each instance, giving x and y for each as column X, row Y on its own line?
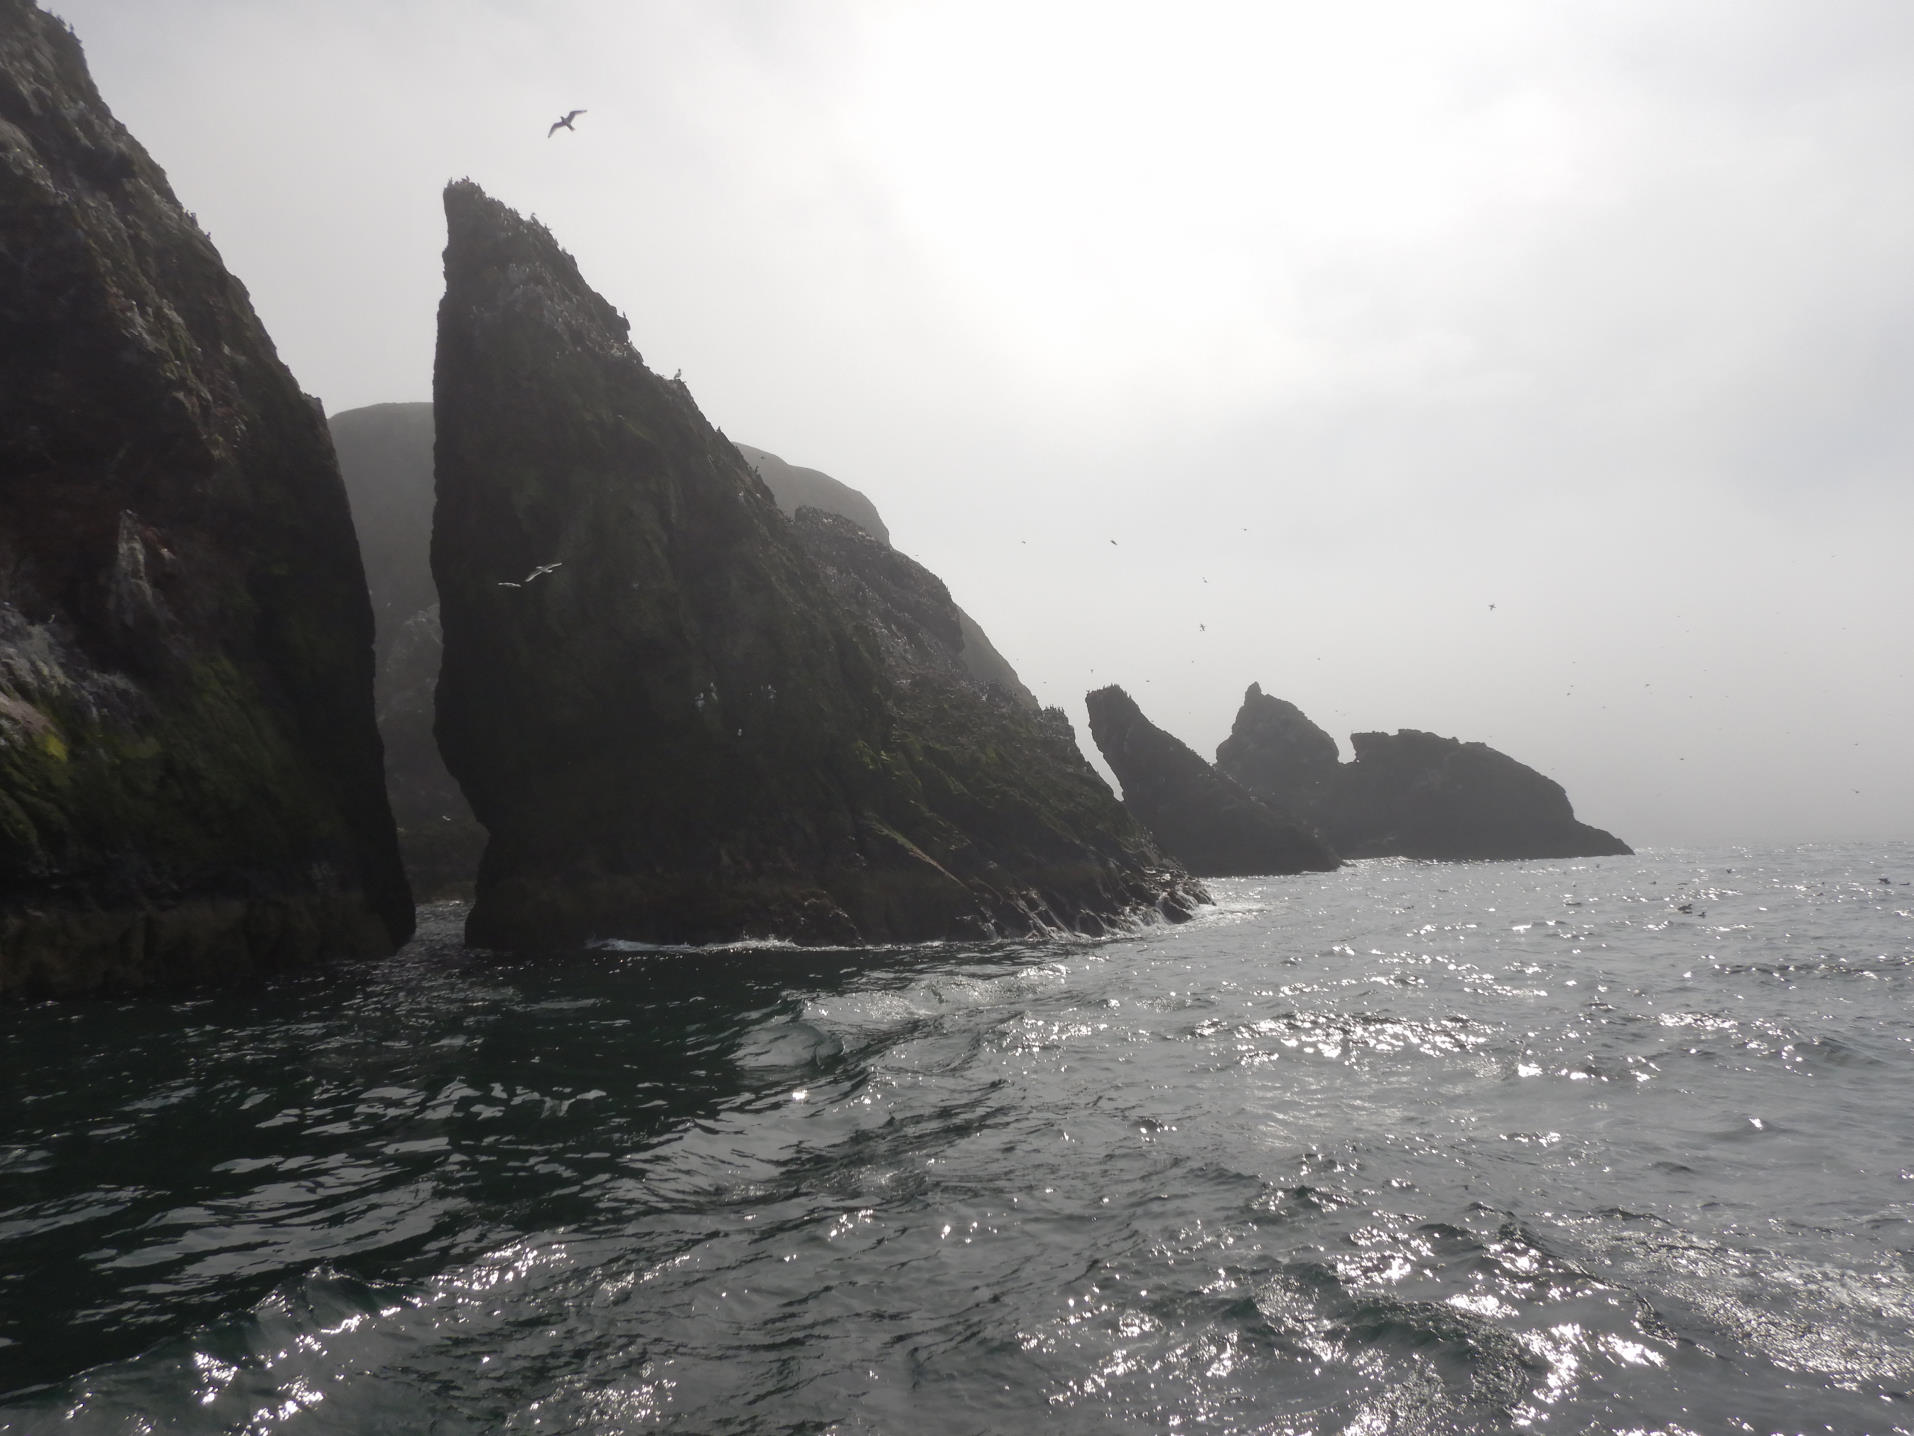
column 675, row 732
column 189, row 773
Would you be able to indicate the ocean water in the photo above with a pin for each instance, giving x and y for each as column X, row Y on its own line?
column 1620, row 1145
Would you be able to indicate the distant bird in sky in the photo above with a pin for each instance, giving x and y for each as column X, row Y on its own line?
column 1491, row 608
column 539, row 572
column 1113, row 543
column 564, row 122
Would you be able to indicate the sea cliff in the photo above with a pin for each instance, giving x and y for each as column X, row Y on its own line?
column 1210, row 823
column 670, row 726
column 1408, row 794
column 190, row 781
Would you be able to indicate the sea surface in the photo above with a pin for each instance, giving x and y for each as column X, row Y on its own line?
column 1618, row 1145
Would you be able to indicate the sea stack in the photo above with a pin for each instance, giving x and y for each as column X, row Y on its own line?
column 671, row 728
column 190, row 784
column 1408, row 794
column 1207, row 821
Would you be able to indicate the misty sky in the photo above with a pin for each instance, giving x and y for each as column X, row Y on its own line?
column 1529, row 372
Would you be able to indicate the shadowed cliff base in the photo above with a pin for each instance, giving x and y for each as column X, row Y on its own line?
column 1408, row 794
column 677, row 733
column 1206, row 821
column 189, row 773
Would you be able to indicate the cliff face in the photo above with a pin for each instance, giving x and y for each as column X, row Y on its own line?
column 1416, row 795
column 1408, row 795
column 1208, row 822
column 1275, row 751
column 676, row 732
column 385, row 455
column 796, row 488
column 189, row 772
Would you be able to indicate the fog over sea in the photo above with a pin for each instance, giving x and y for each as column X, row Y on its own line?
column 1617, row 1145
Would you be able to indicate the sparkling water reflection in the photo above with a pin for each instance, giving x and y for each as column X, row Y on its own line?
column 1602, row 1146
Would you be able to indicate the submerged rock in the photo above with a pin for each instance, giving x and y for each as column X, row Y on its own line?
column 671, row 728
column 1208, row 822
column 189, row 773
column 1410, row 795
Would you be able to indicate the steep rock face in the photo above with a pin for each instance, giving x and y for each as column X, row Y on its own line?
column 1278, row 754
column 1416, row 795
column 1208, row 822
column 903, row 605
column 676, row 733
column 795, row 488
column 189, row 772
column 439, row 836
column 385, row 455
column 1409, row 795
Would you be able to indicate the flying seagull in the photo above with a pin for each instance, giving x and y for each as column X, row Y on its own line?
column 539, row 572
column 564, row 122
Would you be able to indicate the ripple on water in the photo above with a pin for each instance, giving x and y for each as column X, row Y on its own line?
column 1398, row 1148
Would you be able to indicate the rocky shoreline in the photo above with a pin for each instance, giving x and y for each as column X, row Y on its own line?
column 551, row 642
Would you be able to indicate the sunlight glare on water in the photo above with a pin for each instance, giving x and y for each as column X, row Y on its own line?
column 1614, row 1145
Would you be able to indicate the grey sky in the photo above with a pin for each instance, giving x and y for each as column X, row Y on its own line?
column 1344, row 322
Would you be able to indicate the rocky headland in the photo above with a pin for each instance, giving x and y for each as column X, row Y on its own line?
column 190, row 783
column 1407, row 794
column 1208, row 822
column 676, row 724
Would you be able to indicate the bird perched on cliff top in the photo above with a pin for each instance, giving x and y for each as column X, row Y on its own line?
column 563, row 122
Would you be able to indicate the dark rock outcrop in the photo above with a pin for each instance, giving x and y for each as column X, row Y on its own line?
column 385, row 454
column 796, row 488
column 1416, row 795
column 1276, row 752
column 1208, row 822
column 677, row 733
column 189, row 773
column 1411, row 795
